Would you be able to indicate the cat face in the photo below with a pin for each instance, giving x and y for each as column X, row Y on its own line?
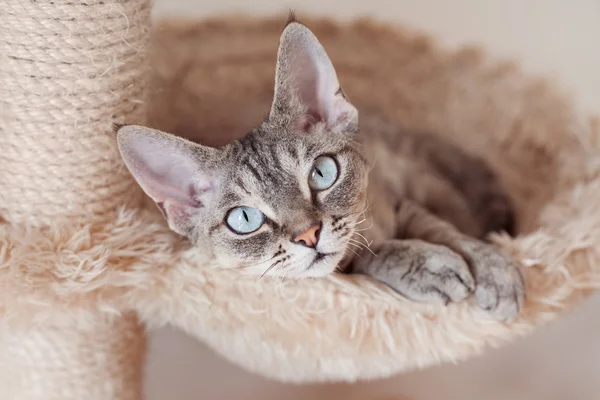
column 285, row 199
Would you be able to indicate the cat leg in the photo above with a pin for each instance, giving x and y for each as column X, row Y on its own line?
column 499, row 285
column 440, row 198
column 420, row 271
column 479, row 185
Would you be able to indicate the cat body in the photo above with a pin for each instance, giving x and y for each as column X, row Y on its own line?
column 439, row 176
column 306, row 192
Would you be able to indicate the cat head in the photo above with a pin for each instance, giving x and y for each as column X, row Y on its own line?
column 283, row 200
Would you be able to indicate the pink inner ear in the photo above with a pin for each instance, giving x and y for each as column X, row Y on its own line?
column 171, row 171
column 306, row 122
column 312, row 85
column 178, row 203
column 167, row 175
column 312, row 77
column 327, row 85
column 179, row 217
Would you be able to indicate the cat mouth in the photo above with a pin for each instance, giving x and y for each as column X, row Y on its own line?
column 320, row 257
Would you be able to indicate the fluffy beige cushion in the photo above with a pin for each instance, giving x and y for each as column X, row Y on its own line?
column 212, row 82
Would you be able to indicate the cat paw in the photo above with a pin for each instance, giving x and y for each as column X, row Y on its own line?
column 438, row 276
column 499, row 284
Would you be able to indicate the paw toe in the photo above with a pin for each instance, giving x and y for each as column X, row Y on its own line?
column 503, row 301
column 487, row 297
column 458, row 287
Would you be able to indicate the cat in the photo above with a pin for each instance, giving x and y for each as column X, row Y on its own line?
column 304, row 194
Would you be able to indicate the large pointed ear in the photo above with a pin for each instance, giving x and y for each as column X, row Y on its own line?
column 306, row 84
column 172, row 171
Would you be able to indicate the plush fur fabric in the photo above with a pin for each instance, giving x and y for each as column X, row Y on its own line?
column 342, row 327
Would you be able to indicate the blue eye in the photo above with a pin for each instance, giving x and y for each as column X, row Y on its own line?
column 323, row 174
column 245, row 219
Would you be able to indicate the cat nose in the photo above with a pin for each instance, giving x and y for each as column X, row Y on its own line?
column 309, row 237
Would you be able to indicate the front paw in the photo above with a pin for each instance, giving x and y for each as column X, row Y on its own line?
column 420, row 271
column 500, row 287
column 442, row 277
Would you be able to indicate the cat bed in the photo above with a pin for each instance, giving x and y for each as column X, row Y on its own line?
column 83, row 258
column 213, row 81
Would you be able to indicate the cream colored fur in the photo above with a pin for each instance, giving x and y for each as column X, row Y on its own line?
column 340, row 327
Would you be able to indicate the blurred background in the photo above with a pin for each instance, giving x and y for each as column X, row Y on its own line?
column 553, row 38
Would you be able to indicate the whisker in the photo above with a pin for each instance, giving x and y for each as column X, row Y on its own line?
column 371, row 251
column 255, row 264
column 281, row 279
column 361, row 244
column 360, row 222
column 367, row 208
column 366, row 241
column 355, row 253
column 270, row 268
column 352, row 240
column 372, row 165
column 361, row 247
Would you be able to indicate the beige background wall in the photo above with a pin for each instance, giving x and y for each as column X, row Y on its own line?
column 556, row 38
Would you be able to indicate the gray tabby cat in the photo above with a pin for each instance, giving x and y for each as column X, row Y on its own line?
column 291, row 197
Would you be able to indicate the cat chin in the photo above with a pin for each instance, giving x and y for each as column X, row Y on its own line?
column 314, row 272
column 320, row 270
column 317, row 272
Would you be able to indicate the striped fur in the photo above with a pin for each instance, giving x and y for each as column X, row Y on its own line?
column 417, row 226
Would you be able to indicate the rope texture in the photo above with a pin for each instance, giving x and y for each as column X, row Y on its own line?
column 68, row 70
column 58, row 363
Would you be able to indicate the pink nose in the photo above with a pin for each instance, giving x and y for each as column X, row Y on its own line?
column 309, row 237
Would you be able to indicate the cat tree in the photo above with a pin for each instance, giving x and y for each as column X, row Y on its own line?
column 83, row 261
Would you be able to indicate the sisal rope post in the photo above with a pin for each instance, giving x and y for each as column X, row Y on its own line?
column 67, row 362
column 68, row 69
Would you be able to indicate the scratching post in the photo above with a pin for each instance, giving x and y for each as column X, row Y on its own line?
column 63, row 361
column 67, row 70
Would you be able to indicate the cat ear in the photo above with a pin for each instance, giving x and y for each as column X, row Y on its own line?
column 171, row 171
column 306, row 83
